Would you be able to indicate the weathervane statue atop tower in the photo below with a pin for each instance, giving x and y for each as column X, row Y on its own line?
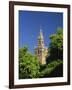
column 41, row 51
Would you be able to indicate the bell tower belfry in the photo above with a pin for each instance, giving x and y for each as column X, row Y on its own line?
column 41, row 50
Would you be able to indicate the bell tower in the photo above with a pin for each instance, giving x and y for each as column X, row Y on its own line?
column 41, row 51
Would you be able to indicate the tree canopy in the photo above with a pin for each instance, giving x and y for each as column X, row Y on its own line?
column 56, row 45
column 28, row 64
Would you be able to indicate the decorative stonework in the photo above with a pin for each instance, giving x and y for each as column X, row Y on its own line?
column 41, row 51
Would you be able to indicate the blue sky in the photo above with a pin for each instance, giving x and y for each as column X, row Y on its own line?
column 30, row 23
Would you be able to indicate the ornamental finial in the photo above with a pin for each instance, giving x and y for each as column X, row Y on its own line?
column 40, row 29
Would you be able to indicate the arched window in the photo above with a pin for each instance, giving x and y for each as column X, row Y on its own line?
column 39, row 42
column 42, row 42
column 39, row 51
